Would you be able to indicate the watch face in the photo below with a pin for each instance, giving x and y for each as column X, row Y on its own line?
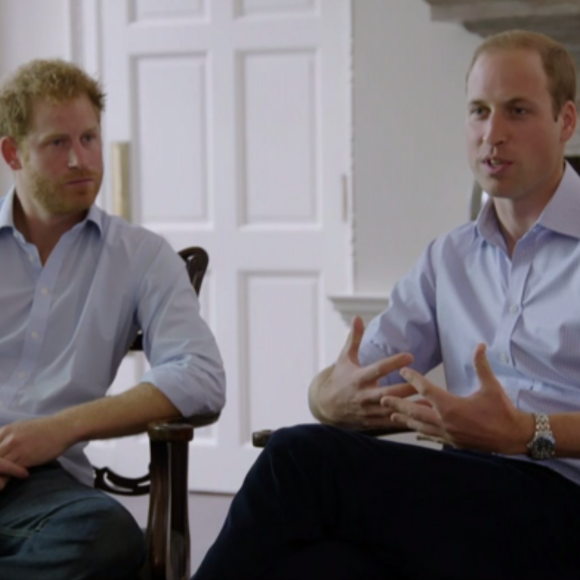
column 543, row 447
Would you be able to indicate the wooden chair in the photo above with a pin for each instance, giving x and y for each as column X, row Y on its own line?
column 168, row 543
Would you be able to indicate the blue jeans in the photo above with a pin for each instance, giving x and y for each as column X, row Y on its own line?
column 54, row 527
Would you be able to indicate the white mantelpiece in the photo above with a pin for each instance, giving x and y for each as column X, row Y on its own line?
column 367, row 306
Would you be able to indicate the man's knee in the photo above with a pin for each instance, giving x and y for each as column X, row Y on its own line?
column 121, row 541
column 107, row 541
column 308, row 437
column 311, row 443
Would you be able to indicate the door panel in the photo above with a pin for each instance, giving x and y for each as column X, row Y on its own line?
column 172, row 156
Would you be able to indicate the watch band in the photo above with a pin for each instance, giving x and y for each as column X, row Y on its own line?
column 542, row 423
column 543, row 445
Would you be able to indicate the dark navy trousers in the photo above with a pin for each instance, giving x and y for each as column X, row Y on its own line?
column 325, row 503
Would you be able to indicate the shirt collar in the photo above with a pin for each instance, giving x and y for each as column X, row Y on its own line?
column 561, row 214
column 487, row 225
column 95, row 214
column 6, row 204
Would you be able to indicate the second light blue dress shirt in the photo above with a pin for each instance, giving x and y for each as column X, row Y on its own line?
column 466, row 289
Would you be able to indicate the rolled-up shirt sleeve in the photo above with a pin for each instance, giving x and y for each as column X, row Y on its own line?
column 408, row 324
column 183, row 354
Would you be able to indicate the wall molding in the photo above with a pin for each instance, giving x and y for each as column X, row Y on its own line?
column 367, row 306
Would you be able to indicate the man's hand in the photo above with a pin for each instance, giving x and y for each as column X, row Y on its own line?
column 349, row 396
column 34, row 441
column 485, row 421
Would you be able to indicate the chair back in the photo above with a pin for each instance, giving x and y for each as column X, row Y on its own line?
column 196, row 261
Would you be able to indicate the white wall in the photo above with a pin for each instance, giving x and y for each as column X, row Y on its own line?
column 410, row 170
column 30, row 29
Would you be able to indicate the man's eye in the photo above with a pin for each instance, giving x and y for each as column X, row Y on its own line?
column 477, row 111
column 58, row 142
column 519, row 111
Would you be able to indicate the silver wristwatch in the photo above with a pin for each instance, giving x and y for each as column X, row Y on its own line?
column 543, row 445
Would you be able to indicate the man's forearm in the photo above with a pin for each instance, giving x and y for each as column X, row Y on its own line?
column 566, row 430
column 125, row 414
column 36, row 441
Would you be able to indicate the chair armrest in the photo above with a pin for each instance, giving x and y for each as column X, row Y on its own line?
column 179, row 429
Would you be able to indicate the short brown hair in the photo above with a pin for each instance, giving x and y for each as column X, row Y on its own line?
column 54, row 80
column 558, row 63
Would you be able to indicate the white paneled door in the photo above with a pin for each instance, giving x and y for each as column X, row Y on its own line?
column 238, row 118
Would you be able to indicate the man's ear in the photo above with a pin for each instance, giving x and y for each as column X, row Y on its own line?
column 569, row 116
column 10, row 153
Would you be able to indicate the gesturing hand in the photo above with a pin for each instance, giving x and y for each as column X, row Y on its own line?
column 350, row 396
column 486, row 420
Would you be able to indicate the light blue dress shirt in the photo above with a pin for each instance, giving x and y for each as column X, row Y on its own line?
column 65, row 327
column 465, row 289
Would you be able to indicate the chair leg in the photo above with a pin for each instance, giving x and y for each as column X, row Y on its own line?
column 158, row 521
column 168, row 526
column 179, row 539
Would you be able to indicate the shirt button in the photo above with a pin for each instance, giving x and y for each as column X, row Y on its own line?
column 505, row 357
column 31, row 257
column 44, row 291
column 513, row 308
column 35, row 335
column 21, row 375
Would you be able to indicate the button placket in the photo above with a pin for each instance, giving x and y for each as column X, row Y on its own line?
column 46, row 278
column 515, row 289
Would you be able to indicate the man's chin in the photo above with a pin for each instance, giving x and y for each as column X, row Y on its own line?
column 494, row 187
column 77, row 206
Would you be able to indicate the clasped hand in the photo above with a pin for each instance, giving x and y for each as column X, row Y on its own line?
column 29, row 443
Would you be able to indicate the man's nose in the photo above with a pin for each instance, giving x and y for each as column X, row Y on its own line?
column 76, row 156
column 495, row 129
